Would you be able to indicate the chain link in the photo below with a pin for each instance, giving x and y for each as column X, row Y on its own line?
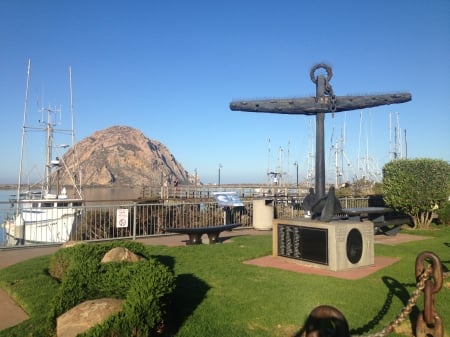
column 429, row 323
column 423, row 280
column 407, row 309
column 332, row 102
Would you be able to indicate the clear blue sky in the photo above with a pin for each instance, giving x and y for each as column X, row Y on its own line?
column 171, row 68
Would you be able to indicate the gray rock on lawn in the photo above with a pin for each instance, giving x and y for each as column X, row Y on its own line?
column 121, row 254
column 86, row 315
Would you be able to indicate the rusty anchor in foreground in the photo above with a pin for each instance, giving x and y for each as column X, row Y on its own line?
column 327, row 321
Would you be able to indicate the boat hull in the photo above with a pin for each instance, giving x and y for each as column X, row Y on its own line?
column 43, row 226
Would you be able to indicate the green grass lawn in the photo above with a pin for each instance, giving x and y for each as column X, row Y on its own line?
column 217, row 295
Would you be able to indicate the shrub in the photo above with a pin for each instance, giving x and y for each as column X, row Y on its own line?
column 444, row 213
column 416, row 187
column 145, row 286
column 61, row 261
column 146, row 300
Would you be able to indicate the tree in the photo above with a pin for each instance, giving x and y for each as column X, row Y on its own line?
column 416, row 187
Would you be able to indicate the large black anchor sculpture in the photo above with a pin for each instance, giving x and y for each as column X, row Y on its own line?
column 325, row 101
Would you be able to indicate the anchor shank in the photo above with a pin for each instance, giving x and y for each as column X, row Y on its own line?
column 319, row 182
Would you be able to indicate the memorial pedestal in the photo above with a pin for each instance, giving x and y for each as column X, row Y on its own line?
column 336, row 245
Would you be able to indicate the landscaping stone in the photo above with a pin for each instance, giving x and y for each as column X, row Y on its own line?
column 71, row 244
column 86, row 315
column 120, row 254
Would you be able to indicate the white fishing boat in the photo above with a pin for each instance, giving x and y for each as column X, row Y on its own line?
column 48, row 214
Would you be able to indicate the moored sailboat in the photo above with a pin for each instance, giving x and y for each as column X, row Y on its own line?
column 50, row 214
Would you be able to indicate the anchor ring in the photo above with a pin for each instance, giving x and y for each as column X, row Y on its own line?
column 323, row 66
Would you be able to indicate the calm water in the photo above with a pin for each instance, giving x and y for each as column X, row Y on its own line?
column 5, row 208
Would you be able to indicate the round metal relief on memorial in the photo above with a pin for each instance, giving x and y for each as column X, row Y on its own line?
column 354, row 246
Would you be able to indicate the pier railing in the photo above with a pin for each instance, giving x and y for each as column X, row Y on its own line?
column 131, row 220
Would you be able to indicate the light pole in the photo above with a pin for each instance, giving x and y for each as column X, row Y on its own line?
column 296, row 166
column 220, row 166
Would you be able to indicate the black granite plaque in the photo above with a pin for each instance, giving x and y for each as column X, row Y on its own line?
column 303, row 243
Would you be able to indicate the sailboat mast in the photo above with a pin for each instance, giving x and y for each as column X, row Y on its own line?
column 359, row 144
column 48, row 156
column 25, row 109
column 268, row 162
column 398, row 137
column 75, row 164
column 288, row 163
column 336, row 161
column 71, row 108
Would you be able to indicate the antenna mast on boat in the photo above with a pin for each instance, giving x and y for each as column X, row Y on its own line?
column 406, row 145
column 75, row 163
column 278, row 173
column 71, row 106
column 396, row 146
column 25, row 109
column 49, row 124
column 268, row 162
column 398, row 136
column 288, row 180
column 359, row 143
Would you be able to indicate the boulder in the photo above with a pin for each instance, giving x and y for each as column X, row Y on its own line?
column 72, row 243
column 120, row 254
column 86, row 315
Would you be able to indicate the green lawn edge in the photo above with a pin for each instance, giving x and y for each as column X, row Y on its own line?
column 218, row 295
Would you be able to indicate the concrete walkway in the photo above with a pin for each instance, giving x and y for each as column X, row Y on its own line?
column 12, row 314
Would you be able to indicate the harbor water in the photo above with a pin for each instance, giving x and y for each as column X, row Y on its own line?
column 5, row 208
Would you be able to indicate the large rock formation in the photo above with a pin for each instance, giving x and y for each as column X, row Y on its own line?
column 121, row 155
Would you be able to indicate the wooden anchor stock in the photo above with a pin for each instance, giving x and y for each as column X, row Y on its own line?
column 310, row 106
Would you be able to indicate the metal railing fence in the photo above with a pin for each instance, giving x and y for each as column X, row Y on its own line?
column 143, row 220
column 131, row 220
column 135, row 220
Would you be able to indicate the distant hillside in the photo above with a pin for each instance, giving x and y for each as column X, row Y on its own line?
column 121, row 155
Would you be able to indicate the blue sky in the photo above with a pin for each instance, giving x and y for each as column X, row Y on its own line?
column 171, row 68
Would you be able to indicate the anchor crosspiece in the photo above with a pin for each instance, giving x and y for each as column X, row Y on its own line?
column 324, row 102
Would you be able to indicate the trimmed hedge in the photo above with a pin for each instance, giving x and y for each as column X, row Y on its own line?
column 62, row 260
column 146, row 287
column 416, row 187
column 444, row 213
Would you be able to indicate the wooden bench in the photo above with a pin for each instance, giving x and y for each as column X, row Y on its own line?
column 195, row 234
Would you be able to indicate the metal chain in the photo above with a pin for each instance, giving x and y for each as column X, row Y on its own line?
column 429, row 324
column 407, row 309
column 329, row 91
column 424, row 275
